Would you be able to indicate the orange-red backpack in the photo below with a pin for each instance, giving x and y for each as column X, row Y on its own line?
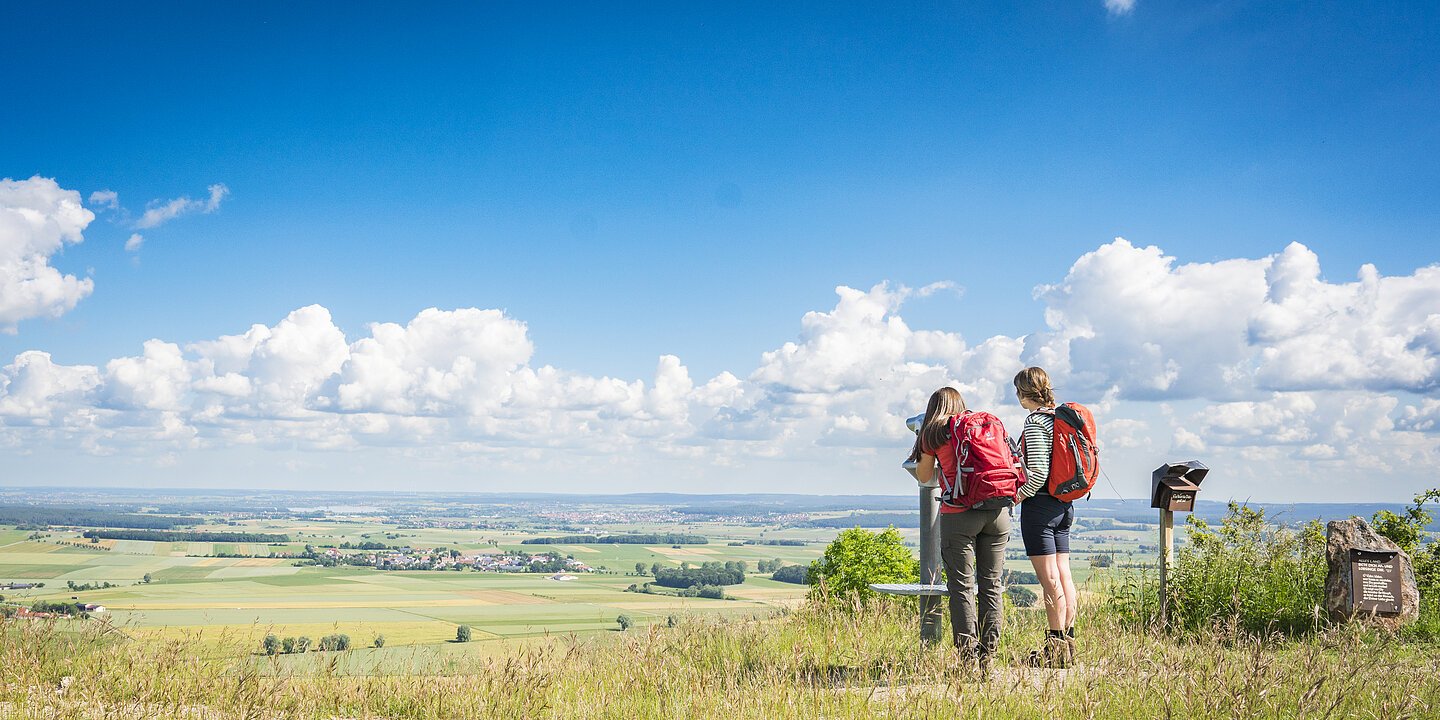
column 1074, row 454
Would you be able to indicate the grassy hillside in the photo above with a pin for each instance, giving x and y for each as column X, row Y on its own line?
column 806, row 663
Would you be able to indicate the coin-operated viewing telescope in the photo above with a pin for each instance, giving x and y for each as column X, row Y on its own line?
column 1173, row 488
column 911, row 465
column 930, row 588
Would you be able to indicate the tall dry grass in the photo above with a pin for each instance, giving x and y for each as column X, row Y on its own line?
column 815, row 662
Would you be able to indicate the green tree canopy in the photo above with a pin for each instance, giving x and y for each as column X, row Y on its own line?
column 859, row 557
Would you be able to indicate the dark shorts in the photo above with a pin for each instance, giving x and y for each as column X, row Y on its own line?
column 1045, row 525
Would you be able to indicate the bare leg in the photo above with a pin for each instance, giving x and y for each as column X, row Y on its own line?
column 1049, row 575
column 1067, row 587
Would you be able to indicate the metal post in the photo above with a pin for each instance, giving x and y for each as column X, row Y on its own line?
column 1167, row 556
column 930, row 607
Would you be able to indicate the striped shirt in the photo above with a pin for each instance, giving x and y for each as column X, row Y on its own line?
column 1036, row 439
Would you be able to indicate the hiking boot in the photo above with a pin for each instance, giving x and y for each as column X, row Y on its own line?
column 1056, row 654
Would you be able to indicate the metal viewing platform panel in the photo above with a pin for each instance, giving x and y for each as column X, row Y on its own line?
column 909, row 589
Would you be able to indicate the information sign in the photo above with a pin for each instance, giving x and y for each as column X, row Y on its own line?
column 1374, row 581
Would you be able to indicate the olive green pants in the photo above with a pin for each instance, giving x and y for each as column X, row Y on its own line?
column 973, row 543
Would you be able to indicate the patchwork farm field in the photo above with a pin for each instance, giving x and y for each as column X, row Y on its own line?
column 231, row 575
column 182, row 591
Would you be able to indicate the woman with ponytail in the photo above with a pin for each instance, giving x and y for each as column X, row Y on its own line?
column 1045, row 520
column 972, row 540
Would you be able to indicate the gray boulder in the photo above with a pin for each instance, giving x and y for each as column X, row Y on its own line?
column 1356, row 534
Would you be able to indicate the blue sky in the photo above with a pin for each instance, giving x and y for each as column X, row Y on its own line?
column 632, row 181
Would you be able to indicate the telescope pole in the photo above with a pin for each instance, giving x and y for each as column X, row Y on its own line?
column 930, row 607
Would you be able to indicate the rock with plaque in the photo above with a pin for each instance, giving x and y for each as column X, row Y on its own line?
column 1370, row 577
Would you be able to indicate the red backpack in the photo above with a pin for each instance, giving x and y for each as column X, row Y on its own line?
column 1074, row 455
column 987, row 474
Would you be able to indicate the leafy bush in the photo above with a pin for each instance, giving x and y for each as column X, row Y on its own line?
column 335, row 642
column 1408, row 531
column 791, row 574
column 463, row 634
column 1264, row 577
column 1021, row 596
column 624, row 621
column 857, row 558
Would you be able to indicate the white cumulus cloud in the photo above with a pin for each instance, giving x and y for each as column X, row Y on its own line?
column 1212, row 360
column 37, row 219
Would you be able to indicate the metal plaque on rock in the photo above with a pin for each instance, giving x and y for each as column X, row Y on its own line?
column 1374, row 581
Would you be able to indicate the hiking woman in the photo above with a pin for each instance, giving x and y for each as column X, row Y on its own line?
column 1045, row 520
column 971, row 539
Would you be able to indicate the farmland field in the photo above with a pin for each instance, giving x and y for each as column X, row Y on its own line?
column 212, row 583
column 196, row 595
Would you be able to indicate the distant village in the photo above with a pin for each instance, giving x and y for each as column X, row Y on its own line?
column 447, row 559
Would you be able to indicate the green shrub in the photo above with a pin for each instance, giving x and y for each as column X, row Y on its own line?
column 334, row 642
column 857, row 558
column 1261, row 576
column 1021, row 596
column 463, row 634
column 1408, row 531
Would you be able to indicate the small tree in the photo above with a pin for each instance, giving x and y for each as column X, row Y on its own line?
column 146, row 579
column 1021, row 596
column 270, row 645
column 342, row 642
column 624, row 622
column 302, row 644
column 462, row 634
column 671, row 621
column 859, row 557
column 655, row 569
column 287, row 646
column 639, row 568
column 379, row 641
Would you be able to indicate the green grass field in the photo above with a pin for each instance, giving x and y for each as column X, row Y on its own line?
column 195, row 595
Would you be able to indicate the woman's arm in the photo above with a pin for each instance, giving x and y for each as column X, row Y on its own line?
column 925, row 468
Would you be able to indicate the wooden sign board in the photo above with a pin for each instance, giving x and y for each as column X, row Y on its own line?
column 1374, row 581
column 1181, row 501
